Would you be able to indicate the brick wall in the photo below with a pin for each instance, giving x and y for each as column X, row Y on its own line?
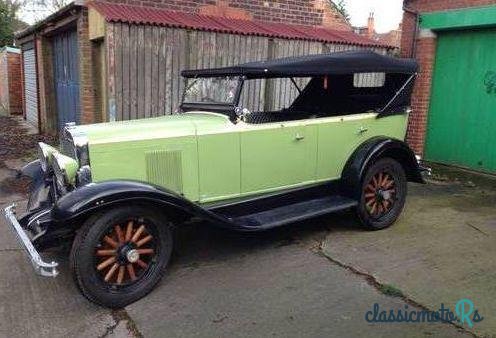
column 10, row 83
column 421, row 95
column 15, row 83
column 87, row 90
column 425, row 52
column 302, row 12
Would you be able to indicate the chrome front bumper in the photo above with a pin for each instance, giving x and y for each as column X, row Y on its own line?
column 41, row 267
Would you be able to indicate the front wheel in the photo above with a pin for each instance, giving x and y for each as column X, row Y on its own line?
column 119, row 255
column 383, row 194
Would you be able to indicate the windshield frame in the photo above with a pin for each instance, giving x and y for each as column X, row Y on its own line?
column 213, row 105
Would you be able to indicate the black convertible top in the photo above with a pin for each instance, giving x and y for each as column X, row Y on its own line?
column 314, row 65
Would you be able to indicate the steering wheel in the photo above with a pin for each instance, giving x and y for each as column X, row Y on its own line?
column 242, row 113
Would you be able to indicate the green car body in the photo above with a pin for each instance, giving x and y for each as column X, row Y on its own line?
column 206, row 158
column 117, row 190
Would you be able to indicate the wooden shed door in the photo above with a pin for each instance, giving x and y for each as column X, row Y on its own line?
column 66, row 77
column 30, row 87
column 462, row 116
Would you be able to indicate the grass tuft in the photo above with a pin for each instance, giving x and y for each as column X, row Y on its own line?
column 390, row 290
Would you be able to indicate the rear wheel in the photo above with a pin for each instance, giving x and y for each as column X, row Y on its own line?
column 119, row 255
column 383, row 194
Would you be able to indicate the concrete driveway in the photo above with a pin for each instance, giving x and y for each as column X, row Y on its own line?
column 441, row 250
column 313, row 279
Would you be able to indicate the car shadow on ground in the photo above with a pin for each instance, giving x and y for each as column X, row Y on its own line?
column 204, row 243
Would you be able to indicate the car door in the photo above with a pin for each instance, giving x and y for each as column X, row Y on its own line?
column 276, row 156
column 340, row 136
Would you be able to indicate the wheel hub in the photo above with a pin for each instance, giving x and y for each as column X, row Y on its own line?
column 132, row 256
column 385, row 195
column 380, row 194
column 125, row 253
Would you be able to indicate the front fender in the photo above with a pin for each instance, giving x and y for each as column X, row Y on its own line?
column 368, row 153
column 41, row 195
column 98, row 196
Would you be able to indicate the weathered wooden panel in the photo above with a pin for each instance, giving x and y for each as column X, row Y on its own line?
column 141, row 74
column 126, row 71
column 110, row 40
column 133, row 71
column 118, row 70
column 148, row 72
column 145, row 81
column 96, row 24
column 66, row 77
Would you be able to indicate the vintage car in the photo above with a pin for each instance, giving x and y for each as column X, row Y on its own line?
column 117, row 190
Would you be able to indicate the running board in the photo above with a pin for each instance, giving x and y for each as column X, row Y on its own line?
column 294, row 212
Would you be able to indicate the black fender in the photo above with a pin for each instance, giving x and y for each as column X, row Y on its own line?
column 94, row 197
column 40, row 196
column 368, row 153
column 32, row 170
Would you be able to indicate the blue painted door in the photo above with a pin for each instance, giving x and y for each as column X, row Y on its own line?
column 66, row 75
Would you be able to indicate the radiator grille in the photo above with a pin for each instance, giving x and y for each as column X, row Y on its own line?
column 164, row 168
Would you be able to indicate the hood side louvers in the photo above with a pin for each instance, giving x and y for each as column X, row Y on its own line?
column 164, row 168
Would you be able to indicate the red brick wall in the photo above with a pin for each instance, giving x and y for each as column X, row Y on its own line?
column 87, row 90
column 15, row 83
column 441, row 5
column 11, row 83
column 421, row 95
column 425, row 52
column 301, row 12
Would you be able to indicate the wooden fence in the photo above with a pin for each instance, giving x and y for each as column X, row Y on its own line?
column 144, row 64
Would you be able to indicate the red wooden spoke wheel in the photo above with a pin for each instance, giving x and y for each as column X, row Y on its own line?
column 380, row 194
column 125, row 252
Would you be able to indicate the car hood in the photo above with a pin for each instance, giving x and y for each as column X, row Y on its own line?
column 169, row 126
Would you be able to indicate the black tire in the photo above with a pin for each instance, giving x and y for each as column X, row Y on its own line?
column 388, row 197
column 135, row 282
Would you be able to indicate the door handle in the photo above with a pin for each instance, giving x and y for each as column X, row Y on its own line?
column 299, row 137
column 362, row 130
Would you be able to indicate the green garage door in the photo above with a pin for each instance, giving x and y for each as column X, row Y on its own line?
column 462, row 117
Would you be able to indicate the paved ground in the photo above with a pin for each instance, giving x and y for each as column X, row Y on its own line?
column 313, row 279
column 442, row 250
column 224, row 284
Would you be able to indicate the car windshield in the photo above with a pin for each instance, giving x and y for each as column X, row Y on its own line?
column 217, row 90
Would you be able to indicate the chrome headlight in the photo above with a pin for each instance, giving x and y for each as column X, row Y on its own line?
column 64, row 169
column 45, row 154
column 74, row 143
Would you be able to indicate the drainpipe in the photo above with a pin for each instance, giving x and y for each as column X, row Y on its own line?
column 413, row 52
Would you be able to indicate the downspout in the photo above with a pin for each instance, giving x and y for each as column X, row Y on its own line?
column 413, row 52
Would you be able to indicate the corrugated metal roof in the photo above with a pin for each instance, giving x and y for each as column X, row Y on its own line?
column 161, row 17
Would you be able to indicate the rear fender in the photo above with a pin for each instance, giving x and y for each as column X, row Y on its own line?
column 371, row 151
